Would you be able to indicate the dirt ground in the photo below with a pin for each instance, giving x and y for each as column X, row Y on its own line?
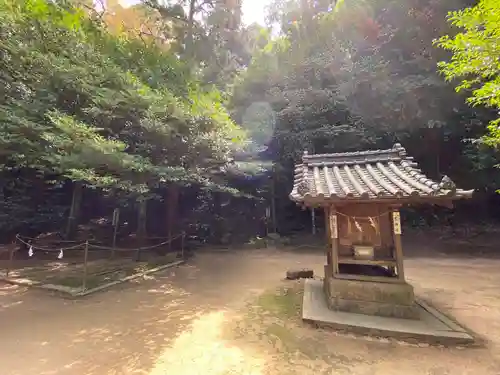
column 70, row 272
column 200, row 319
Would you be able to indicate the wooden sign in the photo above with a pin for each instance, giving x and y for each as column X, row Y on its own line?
column 333, row 226
column 396, row 223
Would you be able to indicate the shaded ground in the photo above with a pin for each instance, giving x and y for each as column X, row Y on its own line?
column 72, row 275
column 69, row 271
column 197, row 319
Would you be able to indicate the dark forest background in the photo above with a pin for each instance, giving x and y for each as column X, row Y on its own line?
column 180, row 109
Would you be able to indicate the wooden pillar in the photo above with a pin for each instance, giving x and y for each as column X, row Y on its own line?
column 328, row 237
column 398, row 248
column 335, row 240
column 328, row 232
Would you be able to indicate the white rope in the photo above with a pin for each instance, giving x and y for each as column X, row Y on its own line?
column 26, row 238
column 32, row 248
column 46, row 249
column 138, row 248
column 363, row 217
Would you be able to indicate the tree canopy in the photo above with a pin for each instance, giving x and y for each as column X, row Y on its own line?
column 130, row 101
column 81, row 101
column 109, row 110
column 351, row 75
column 476, row 57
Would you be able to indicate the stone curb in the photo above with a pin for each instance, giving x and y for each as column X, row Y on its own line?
column 77, row 292
column 316, row 312
column 452, row 323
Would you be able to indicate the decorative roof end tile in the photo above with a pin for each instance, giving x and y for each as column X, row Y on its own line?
column 447, row 184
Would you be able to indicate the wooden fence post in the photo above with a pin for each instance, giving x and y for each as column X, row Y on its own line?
column 138, row 254
column 85, row 264
column 182, row 246
column 116, row 220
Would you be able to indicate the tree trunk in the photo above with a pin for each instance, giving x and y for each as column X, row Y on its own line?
column 218, row 231
column 172, row 203
column 274, row 226
column 190, row 32
column 141, row 225
column 74, row 212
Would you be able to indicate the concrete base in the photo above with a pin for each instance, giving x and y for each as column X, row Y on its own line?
column 431, row 326
column 371, row 298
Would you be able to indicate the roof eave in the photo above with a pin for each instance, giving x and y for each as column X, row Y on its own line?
column 341, row 201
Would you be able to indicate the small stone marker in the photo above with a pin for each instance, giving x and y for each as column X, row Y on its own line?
column 299, row 274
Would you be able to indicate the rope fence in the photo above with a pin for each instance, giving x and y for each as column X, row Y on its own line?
column 88, row 247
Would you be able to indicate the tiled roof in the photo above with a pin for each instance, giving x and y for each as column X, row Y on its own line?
column 376, row 174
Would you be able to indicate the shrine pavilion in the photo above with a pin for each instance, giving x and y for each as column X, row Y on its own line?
column 361, row 194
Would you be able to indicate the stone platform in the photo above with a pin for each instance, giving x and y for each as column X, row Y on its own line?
column 431, row 326
column 389, row 299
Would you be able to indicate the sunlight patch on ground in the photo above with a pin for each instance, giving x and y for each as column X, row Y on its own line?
column 202, row 350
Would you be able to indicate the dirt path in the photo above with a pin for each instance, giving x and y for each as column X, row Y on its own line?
column 128, row 329
column 173, row 324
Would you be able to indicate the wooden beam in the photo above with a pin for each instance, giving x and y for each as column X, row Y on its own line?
column 372, row 262
column 323, row 201
column 379, row 279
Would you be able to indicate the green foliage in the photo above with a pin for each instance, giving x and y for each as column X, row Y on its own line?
column 348, row 76
column 112, row 111
column 81, row 101
column 259, row 121
column 127, row 112
column 475, row 57
column 351, row 75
